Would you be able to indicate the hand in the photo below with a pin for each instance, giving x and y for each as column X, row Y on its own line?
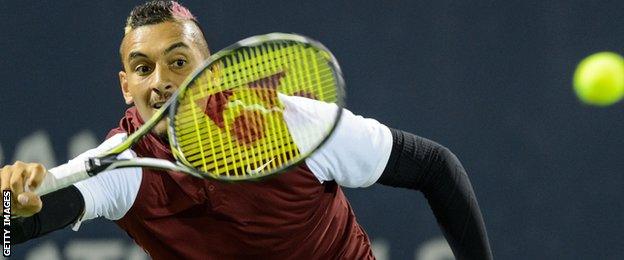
column 15, row 177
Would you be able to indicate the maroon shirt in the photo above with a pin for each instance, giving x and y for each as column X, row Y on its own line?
column 290, row 216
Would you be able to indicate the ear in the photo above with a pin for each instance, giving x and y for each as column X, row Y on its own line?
column 123, row 82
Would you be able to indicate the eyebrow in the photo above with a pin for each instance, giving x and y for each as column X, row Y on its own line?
column 137, row 54
column 175, row 46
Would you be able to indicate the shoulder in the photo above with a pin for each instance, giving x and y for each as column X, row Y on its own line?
column 356, row 152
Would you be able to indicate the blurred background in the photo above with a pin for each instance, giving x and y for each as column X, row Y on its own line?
column 491, row 80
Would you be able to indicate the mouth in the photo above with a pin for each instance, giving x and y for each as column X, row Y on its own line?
column 158, row 105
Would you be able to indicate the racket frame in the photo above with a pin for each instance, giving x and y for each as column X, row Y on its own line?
column 248, row 43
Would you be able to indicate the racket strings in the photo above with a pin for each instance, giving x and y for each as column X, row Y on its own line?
column 252, row 137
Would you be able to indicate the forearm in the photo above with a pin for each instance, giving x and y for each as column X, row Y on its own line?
column 60, row 209
column 421, row 164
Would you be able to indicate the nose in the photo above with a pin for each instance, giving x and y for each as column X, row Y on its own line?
column 164, row 89
column 162, row 85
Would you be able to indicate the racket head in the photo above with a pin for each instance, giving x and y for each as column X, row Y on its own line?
column 247, row 113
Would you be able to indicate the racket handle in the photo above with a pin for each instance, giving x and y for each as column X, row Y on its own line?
column 62, row 176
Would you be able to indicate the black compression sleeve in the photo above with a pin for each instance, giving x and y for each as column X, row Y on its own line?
column 60, row 209
column 421, row 164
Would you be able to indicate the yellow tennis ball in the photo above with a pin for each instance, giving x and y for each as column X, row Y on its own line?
column 599, row 79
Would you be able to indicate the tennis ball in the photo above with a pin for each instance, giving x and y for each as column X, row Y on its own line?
column 599, row 79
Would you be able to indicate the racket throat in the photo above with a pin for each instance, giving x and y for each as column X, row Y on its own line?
column 96, row 165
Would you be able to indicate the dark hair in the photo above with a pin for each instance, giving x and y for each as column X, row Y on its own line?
column 157, row 11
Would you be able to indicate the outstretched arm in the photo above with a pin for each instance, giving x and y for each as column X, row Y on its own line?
column 110, row 194
column 37, row 215
column 60, row 209
column 421, row 164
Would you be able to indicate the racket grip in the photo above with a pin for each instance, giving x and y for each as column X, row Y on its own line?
column 62, row 176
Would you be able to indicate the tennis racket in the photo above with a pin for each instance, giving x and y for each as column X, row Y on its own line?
column 255, row 109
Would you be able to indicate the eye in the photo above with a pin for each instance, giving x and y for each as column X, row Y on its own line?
column 142, row 69
column 179, row 63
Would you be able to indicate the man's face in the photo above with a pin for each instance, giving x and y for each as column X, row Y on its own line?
column 157, row 58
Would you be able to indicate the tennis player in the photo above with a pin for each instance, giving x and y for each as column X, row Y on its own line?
column 301, row 214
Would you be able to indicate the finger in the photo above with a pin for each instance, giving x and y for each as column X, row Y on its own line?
column 37, row 174
column 5, row 177
column 17, row 179
column 29, row 204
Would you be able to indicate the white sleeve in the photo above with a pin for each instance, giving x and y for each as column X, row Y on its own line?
column 356, row 153
column 109, row 194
